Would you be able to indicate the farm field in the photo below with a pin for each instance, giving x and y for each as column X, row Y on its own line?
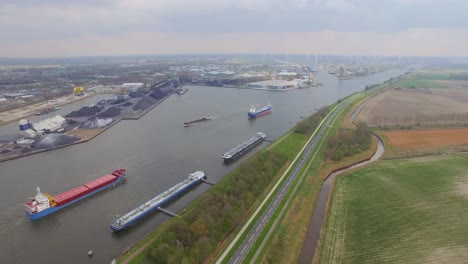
column 419, row 138
column 425, row 98
column 400, row 211
column 413, row 107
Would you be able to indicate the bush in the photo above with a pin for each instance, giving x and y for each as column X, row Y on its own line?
column 308, row 125
column 349, row 142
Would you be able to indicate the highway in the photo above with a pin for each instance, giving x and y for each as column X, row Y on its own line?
column 262, row 221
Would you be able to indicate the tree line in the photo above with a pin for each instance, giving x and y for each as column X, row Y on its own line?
column 349, row 142
column 308, row 125
column 196, row 234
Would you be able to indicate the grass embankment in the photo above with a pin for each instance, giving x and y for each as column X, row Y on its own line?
column 286, row 244
column 400, row 211
column 257, row 174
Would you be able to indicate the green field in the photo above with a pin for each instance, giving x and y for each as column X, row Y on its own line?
column 400, row 211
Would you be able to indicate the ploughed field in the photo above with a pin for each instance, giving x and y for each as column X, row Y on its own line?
column 426, row 98
column 426, row 138
column 400, row 211
column 417, row 107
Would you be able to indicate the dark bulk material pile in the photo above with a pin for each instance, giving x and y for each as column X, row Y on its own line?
column 110, row 112
column 86, row 111
column 53, row 140
column 96, row 122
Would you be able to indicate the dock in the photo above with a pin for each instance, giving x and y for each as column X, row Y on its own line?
column 169, row 213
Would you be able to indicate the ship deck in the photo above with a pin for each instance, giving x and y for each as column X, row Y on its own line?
column 156, row 201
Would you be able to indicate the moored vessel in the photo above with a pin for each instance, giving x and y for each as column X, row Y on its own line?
column 241, row 149
column 44, row 204
column 151, row 205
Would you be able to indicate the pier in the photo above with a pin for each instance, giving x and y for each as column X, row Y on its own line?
column 169, row 213
column 207, row 182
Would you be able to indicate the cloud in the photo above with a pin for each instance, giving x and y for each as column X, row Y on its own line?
column 422, row 42
column 24, row 22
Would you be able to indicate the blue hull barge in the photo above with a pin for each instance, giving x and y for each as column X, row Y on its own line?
column 254, row 113
column 143, row 210
column 244, row 147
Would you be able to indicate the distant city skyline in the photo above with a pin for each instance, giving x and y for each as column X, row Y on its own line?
column 53, row 28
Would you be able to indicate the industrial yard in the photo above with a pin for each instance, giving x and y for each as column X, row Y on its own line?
column 83, row 124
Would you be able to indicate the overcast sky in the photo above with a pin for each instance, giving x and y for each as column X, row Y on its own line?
column 37, row 28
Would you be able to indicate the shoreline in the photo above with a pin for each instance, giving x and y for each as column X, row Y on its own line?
column 99, row 131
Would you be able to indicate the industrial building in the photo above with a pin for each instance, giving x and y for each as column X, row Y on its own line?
column 132, row 86
column 49, row 125
column 276, row 85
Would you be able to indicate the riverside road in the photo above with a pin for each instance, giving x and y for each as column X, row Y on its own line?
column 255, row 232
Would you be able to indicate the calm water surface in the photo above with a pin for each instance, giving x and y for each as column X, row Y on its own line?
column 157, row 152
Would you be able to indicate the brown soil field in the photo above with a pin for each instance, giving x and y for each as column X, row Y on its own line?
column 85, row 134
column 410, row 107
column 416, row 138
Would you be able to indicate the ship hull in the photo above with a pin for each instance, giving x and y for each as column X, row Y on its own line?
column 153, row 208
column 53, row 209
column 260, row 113
column 243, row 151
column 195, row 122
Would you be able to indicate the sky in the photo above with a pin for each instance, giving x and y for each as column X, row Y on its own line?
column 58, row 28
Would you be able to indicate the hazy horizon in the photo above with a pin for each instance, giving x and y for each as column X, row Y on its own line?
column 53, row 28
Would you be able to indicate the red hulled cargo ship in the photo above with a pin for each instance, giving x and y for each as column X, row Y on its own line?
column 44, row 204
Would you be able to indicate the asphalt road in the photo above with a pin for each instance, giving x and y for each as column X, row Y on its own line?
column 255, row 232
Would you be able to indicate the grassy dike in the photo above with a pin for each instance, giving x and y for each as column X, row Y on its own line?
column 284, row 243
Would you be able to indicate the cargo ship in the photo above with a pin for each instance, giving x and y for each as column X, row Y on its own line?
column 194, row 122
column 44, row 204
column 254, row 113
column 47, row 110
column 143, row 210
column 244, row 147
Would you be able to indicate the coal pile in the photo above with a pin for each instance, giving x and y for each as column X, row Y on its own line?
column 144, row 103
column 158, row 94
column 26, row 150
column 86, row 111
column 5, row 151
column 126, row 104
column 110, row 112
column 53, row 140
column 136, row 94
column 96, row 122
column 17, row 147
column 120, row 99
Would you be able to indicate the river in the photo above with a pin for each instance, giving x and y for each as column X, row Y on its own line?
column 157, row 152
